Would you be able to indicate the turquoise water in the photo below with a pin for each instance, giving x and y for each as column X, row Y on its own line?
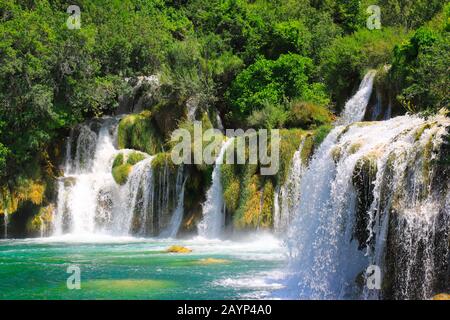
column 130, row 268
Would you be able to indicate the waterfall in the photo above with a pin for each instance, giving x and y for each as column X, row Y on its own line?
column 289, row 193
column 213, row 220
column 370, row 202
column 138, row 213
column 177, row 216
column 87, row 181
column 91, row 202
column 5, row 224
column 355, row 108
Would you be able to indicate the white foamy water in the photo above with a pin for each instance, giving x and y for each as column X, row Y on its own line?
column 355, row 108
column 327, row 254
column 213, row 220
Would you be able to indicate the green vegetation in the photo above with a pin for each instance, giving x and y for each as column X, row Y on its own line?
column 264, row 64
column 123, row 163
column 137, row 131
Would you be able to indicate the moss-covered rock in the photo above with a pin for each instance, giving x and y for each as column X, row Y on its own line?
column 442, row 296
column 123, row 163
column 23, row 190
column 178, row 249
column 138, row 131
column 41, row 223
column 289, row 143
column 321, row 133
column 208, row 261
column 120, row 173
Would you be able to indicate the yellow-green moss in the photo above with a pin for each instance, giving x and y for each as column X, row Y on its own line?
column 308, row 147
column 123, row 164
column 321, row 133
column 118, row 160
column 42, row 220
column 266, row 219
column 289, row 143
column 120, row 173
column 336, row 153
column 23, row 190
column 135, row 157
column 136, row 131
column 231, row 186
column 421, row 130
column 248, row 215
column 354, row 147
column 161, row 160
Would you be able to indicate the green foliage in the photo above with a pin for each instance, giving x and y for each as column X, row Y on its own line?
column 321, row 133
column 408, row 14
column 270, row 82
column 348, row 58
column 308, row 115
column 270, row 117
column 420, row 70
column 138, row 132
column 252, row 61
column 347, row 13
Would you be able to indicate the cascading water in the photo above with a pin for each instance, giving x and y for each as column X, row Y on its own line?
column 91, row 202
column 213, row 220
column 87, row 188
column 370, row 202
column 368, row 188
column 177, row 215
column 138, row 211
column 355, row 108
column 289, row 193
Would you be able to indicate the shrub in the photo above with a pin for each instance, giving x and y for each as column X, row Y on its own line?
column 307, row 115
column 271, row 82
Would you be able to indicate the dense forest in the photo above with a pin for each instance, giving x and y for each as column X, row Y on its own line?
column 261, row 64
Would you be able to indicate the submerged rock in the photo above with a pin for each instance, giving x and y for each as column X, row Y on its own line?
column 178, row 249
column 442, row 296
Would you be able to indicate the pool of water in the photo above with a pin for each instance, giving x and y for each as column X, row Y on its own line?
column 136, row 268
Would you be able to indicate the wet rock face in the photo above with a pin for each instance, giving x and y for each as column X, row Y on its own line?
column 364, row 175
column 417, row 258
column 144, row 93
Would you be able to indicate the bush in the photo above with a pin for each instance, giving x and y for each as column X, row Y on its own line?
column 420, row 70
column 307, row 115
column 270, row 117
column 271, row 82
